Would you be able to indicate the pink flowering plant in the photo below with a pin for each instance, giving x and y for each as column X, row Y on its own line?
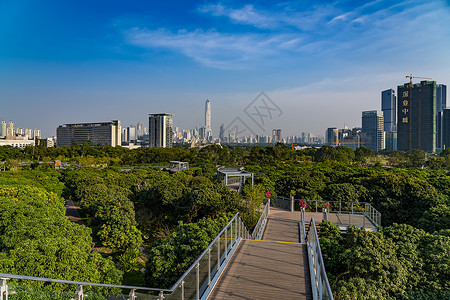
column 302, row 203
column 327, row 205
column 268, row 194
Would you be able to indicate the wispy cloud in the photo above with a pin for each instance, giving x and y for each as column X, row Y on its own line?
column 326, row 30
column 212, row 48
column 247, row 14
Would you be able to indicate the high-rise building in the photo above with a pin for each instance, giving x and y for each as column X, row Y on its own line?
column 36, row 133
column 332, row 136
column 105, row 133
column 3, row 129
column 416, row 127
column 10, row 129
column 221, row 133
column 389, row 108
column 446, row 128
column 441, row 103
column 372, row 130
column 208, row 119
column 160, row 130
column 139, row 130
column 131, row 133
column 125, row 135
column 276, row 136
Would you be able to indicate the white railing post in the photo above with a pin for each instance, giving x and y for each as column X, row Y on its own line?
column 3, row 289
column 132, row 294
column 292, row 203
column 79, row 293
column 198, row 281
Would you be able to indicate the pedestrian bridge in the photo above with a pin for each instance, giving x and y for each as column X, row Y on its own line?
column 279, row 259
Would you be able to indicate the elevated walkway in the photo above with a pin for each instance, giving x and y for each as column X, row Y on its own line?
column 275, row 267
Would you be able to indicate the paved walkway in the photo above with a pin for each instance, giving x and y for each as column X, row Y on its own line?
column 268, row 270
column 72, row 213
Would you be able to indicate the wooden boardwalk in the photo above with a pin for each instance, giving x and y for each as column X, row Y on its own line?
column 268, row 270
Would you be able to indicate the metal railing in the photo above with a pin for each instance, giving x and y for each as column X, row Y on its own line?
column 196, row 283
column 261, row 225
column 302, row 225
column 319, row 281
column 348, row 213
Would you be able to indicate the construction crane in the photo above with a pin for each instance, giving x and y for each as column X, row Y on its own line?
column 411, row 77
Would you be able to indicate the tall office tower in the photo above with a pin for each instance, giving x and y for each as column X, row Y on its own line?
column 3, row 129
column 105, row 133
column 416, row 127
column 131, row 132
column 389, row 107
column 332, row 136
column 36, row 133
column 276, row 135
column 208, row 119
column 372, row 130
column 10, row 129
column 221, row 132
column 441, row 103
column 446, row 128
column 160, row 130
column 125, row 135
column 139, row 130
column 29, row 133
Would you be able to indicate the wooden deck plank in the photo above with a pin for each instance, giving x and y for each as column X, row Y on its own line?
column 282, row 226
column 263, row 270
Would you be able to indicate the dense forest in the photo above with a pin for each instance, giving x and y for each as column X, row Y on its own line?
column 145, row 226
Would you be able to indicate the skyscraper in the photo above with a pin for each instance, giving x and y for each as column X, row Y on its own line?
column 10, row 129
column 446, row 128
column 208, row 119
column 332, row 136
column 441, row 103
column 276, row 136
column 372, row 130
column 3, row 129
column 416, row 127
column 221, row 133
column 389, row 106
column 160, row 130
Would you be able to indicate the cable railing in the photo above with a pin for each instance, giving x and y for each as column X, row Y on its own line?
column 196, row 283
column 319, row 281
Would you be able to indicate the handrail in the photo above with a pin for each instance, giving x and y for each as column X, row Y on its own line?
column 231, row 235
column 201, row 255
column 319, row 281
column 23, row 277
column 340, row 207
column 259, row 228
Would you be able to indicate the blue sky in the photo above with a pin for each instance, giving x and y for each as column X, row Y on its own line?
column 321, row 62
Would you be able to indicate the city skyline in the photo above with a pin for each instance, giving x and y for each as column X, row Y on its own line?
column 322, row 63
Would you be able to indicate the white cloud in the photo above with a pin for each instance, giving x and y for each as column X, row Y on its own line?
column 212, row 48
column 245, row 15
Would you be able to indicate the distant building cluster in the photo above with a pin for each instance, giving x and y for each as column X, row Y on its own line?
column 17, row 136
column 417, row 118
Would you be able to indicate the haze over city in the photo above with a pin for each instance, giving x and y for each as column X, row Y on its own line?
column 321, row 63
